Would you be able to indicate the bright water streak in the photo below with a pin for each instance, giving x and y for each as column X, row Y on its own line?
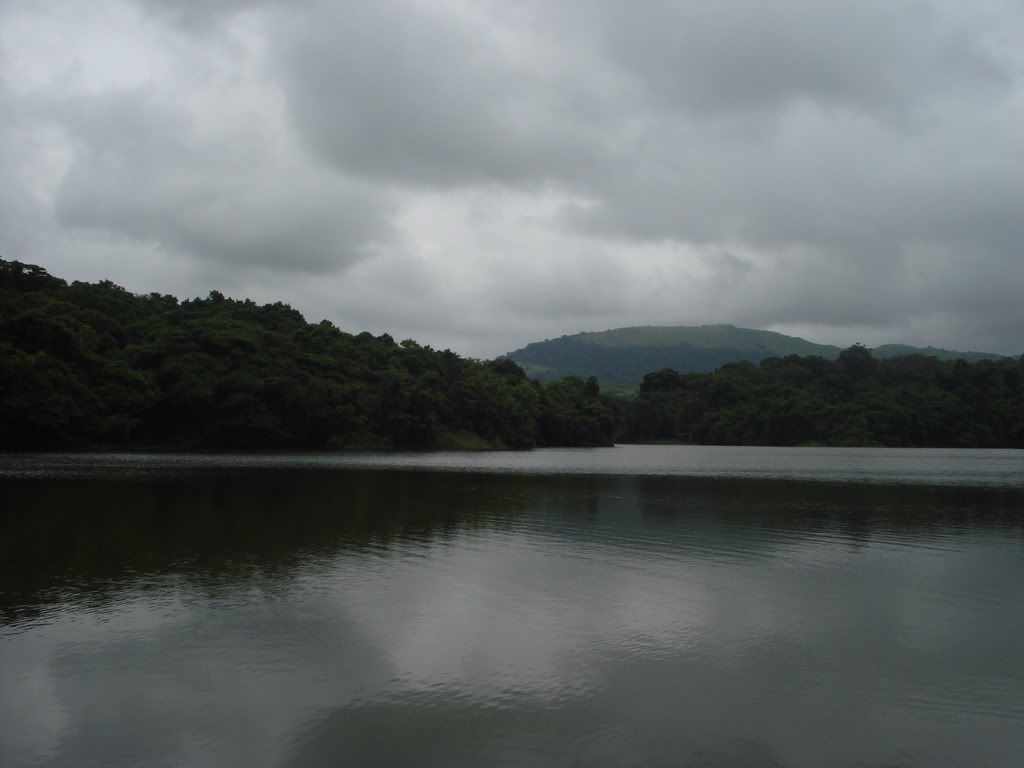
column 303, row 611
column 931, row 466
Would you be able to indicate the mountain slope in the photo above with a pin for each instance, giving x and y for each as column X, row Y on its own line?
column 620, row 357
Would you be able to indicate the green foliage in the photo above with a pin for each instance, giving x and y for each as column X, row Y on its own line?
column 854, row 400
column 574, row 413
column 91, row 364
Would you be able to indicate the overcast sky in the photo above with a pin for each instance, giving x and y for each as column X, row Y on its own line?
column 479, row 174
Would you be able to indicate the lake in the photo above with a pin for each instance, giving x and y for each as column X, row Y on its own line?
column 629, row 606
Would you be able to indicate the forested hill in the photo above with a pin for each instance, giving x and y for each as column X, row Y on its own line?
column 619, row 358
column 93, row 365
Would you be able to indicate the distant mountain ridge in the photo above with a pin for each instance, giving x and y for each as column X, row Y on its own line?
column 620, row 357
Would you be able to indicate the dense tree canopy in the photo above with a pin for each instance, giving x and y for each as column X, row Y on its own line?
column 854, row 400
column 91, row 364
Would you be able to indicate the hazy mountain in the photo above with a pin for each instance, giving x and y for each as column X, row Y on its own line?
column 620, row 357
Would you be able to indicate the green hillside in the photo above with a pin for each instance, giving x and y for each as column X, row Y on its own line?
column 707, row 337
column 620, row 357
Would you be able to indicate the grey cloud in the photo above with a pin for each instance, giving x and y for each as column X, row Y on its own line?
column 402, row 92
column 826, row 165
column 142, row 169
column 412, row 96
column 818, row 179
column 199, row 14
column 21, row 213
column 750, row 55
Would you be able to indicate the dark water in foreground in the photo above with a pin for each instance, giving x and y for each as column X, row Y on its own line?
column 655, row 606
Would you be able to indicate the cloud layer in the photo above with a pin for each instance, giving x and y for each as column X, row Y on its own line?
column 479, row 175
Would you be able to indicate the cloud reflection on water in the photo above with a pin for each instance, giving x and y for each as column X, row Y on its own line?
column 307, row 617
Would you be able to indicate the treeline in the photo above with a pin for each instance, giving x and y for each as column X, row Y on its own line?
column 93, row 365
column 855, row 400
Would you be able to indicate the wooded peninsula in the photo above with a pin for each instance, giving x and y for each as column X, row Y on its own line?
column 92, row 365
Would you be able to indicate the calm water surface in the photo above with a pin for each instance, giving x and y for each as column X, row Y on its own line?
column 635, row 606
